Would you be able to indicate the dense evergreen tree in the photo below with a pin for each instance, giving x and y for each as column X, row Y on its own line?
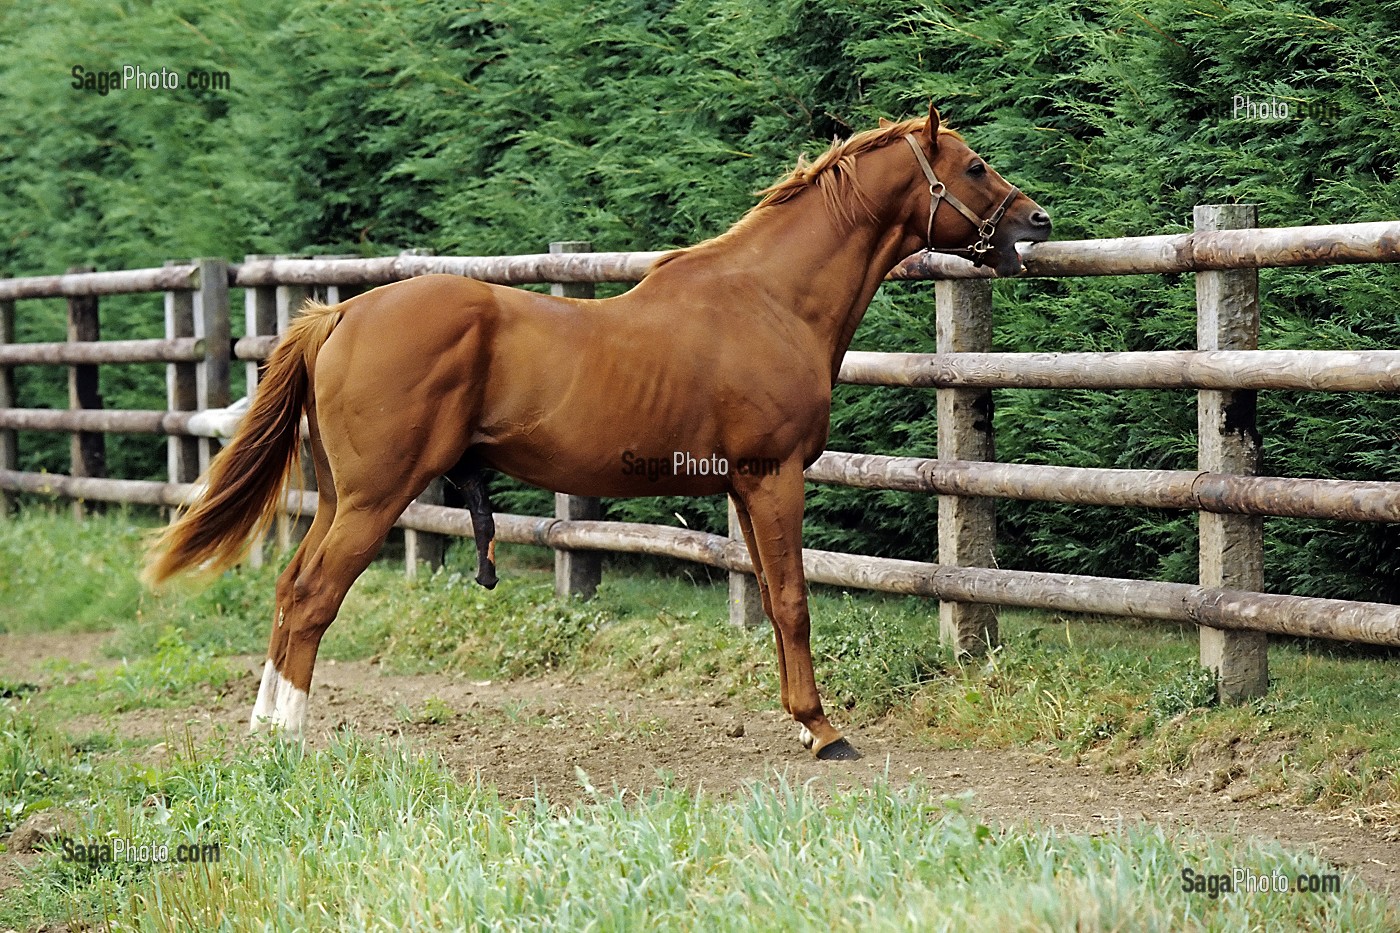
column 494, row 127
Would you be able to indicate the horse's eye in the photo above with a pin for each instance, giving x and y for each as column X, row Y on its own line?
column 977, row 169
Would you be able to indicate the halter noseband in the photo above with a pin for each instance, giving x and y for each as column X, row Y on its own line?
column 938, row 193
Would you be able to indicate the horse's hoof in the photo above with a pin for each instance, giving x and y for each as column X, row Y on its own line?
column 840, row 750
column 487, row 578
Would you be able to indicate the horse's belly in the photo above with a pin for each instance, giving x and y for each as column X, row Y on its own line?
column 604, row 464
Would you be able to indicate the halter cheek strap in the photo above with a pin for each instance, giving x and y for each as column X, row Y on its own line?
column 938, row 193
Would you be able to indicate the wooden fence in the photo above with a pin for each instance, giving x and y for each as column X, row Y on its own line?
column 1226, row 370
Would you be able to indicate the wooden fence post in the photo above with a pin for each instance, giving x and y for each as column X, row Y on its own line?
column 260, row 320
column 745, row 598
column 423, row 548
column 289, row 530
column 180, row 386
column 966, row 526
column 211, row 324
column 1231, row 546
column 576, row 573
column 88, row 449
column 9, row 440
column 419, row 547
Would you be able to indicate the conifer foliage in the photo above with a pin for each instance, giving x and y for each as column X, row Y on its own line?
column 368, row 126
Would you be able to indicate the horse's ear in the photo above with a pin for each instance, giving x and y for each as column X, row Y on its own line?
column 885, row 123
column 931, row 128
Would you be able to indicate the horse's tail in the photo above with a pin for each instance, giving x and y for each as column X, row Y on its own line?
column 245, row 481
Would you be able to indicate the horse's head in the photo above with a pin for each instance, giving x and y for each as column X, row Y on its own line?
column 966, row 207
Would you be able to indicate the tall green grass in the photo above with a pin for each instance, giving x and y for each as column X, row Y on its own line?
column 378, row 837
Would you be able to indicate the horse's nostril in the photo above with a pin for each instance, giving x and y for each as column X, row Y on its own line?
column 1040, row 219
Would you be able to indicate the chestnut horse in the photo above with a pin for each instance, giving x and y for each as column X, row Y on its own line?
column 725, row 352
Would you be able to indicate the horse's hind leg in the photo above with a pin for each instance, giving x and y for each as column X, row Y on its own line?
column 371, row 492
column 272, row 685
column 351, row 542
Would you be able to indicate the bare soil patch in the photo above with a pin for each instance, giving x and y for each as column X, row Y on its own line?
column 539, row 734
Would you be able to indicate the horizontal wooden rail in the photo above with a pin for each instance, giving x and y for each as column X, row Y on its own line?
column 1305, row 370
column 182, row 277
column 1254, row 248
column 179, row 350
column 502, row 270
column 1345, row 500
column 1369, row 623
column 1301, row 370
column 255, row 348
column 1186, row 252
column 129, row 491
column 215, row 423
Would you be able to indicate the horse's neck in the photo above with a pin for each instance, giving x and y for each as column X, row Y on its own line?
column 805, row 262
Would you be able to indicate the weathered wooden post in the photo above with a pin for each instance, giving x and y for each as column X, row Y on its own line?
column 211, row 324
column 423, row 548
column 745, row 598
column 576, row 573
column 180, row 386
column 1231, row 546
column 289, row 530
column 260, row 320
column 9, row 440
column 966, row 526
column 87, row 449
column 201, row 312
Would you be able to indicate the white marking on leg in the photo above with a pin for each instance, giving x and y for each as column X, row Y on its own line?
column 289, row 718
column 267, row 699
column 806, row 737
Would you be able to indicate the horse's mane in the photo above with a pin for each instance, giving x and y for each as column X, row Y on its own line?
column 832, row 172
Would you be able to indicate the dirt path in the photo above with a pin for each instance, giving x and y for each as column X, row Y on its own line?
column 523, row 735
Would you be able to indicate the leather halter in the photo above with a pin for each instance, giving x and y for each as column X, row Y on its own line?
column 938, row 193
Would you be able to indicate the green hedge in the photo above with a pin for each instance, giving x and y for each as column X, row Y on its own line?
column 494, row 127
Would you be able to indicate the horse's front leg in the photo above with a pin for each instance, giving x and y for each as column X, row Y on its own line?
column 774, row 506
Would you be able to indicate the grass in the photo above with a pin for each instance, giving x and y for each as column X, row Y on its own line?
column 1127, row 695
column 379, row 837
column 376, row 837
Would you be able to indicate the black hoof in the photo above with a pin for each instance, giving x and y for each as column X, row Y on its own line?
column 486, row 576
column 840, row 750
